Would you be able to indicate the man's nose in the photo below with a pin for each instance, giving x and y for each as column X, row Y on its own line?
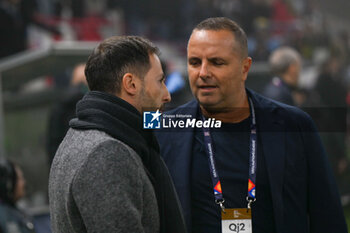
column 204, row 72
column 167, row 96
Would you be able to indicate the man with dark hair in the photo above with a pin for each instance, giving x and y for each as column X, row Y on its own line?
column 265, row 169
column 107, row 174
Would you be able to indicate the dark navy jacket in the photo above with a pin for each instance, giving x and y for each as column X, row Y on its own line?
column 278, row 90
column 304, row 193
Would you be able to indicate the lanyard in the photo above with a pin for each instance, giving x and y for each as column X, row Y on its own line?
column 252, row 163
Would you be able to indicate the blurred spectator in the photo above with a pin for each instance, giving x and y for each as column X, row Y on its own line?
column 332, row 97
column 330, row 86
column 12, row 27
column 285, row 63
column 135, row 17
column 77, row 7
column 12, row 188
column 15, row 16
column 282, row 16
column 64, row 111
column 253, row 12
column 177, row 86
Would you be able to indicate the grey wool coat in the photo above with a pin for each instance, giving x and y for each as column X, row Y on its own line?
column 98, row 184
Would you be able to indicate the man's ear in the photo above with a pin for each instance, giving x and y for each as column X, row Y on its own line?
column 130, row 84
column 246, row 64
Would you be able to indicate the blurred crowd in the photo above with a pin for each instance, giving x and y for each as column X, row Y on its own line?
column 268, row 23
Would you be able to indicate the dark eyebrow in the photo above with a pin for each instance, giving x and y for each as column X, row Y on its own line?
column 216, row 59
column 193, row 59
column 190, row 58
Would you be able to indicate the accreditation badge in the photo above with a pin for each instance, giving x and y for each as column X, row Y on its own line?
column 236, row 220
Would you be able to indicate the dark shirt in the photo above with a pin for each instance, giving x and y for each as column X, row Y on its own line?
column 231, row 153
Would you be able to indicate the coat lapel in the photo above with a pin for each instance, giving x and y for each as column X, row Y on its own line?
column 272, row 135
column 178, row 158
